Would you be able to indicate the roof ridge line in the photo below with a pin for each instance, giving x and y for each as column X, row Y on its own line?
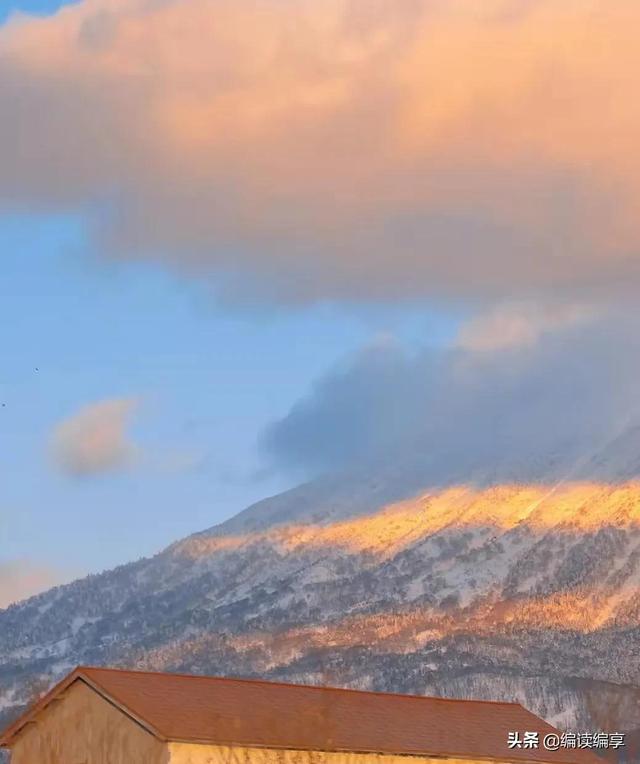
column 300, row 686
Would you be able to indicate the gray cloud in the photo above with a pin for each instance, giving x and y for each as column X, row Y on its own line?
column 464, row 412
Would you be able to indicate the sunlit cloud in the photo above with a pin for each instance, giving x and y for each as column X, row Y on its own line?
column 514, row 325
column 347, row 150
column 95, row 440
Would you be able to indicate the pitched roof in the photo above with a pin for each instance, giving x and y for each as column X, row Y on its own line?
column 215, row 710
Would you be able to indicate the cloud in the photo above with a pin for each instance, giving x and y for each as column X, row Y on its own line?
column 521, row 411
column 345, row 150
column 94, row 440
column 513, row 325
column 20, row 579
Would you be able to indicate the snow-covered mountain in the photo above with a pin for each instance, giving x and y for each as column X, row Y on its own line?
column 521, row 582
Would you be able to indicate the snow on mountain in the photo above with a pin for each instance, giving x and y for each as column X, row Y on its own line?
column 521, row 582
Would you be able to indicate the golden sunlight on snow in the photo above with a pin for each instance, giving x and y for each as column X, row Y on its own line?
column 571, row 508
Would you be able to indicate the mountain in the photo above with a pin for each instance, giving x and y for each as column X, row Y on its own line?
column 517, row 582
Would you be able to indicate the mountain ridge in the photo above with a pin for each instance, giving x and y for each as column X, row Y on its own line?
column 489, row 588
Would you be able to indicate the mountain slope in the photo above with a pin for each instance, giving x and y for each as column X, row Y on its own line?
column 504, row 586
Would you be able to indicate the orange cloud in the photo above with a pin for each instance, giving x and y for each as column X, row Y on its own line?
column 514, row 325
column 95, row 440
column 344, row 149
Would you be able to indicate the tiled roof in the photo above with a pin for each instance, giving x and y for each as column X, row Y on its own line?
column 178, row 707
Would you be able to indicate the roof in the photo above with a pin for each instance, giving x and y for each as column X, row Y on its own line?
column 222, row 711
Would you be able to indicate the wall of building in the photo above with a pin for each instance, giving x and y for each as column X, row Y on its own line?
column 83, row 728
column 187, row 753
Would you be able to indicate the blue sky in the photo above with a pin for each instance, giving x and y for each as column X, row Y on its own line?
column 34, row 7
column 77, row 329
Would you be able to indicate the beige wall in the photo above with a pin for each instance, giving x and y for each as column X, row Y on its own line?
column 83, row 728
column 186, row 753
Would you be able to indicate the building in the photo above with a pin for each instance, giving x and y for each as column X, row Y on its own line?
column 105, row 716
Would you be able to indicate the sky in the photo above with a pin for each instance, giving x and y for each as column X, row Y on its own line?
column 200, row 384
column 30, row 7
column 294, row 237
